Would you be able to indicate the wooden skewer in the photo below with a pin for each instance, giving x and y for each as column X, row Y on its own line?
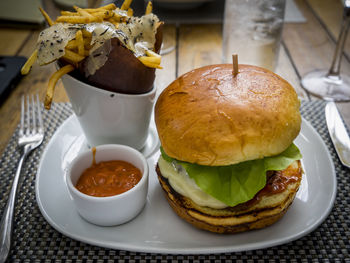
column 235, row 64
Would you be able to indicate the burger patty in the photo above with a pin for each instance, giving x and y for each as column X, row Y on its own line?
column 268, row 205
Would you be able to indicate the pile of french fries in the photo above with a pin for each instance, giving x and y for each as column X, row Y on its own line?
column 78, row 48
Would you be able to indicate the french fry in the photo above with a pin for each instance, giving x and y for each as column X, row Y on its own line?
column 154, row 60
column 102, row 8
column 72, row 57
column 80, row 43
column 151, row 65
column 29, row 63
column 130, row 12
column 87, row 34
column 72, row 19
column 108, row 7
column 52, row 83
column 149, row 8
column 115, row 19
column 68, row 13
column 72, row 45
column 104, row 14
column 151, row 62
column 46, row 16
column 150, row 53
column 100, row 15
column 81, row 11
column 87, row 44
column 86, row 14
column 93, row 11
column 126, row 5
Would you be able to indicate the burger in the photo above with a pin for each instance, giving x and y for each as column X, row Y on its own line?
column 228, row 162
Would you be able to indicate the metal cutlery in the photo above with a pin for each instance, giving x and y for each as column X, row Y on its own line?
column 31, row 135
column 338, row 133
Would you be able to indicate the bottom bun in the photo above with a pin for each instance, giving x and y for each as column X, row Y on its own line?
column 265, row 209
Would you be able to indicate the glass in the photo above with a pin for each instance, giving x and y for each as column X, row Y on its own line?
column 329, row 84
column 252, row 29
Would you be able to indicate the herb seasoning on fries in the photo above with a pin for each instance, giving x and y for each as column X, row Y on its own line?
column 85, row 41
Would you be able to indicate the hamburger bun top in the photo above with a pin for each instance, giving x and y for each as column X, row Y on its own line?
column 209, row 117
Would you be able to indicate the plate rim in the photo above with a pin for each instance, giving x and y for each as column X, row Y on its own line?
column 187, row 251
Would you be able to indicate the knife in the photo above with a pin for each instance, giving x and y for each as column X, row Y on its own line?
column 337, row 131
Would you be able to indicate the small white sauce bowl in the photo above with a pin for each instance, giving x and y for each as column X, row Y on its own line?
column 111, row 210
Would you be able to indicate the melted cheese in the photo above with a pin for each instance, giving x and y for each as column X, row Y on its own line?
column 186, row 186
column 101, row 32
column 137, row 34
column 52, row 41
column 97, row 58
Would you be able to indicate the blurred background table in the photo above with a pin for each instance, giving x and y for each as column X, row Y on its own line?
column 305, row 46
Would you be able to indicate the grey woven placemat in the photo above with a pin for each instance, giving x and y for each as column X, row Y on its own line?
column 36, row 241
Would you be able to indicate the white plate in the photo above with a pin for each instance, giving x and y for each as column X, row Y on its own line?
column 157, row 228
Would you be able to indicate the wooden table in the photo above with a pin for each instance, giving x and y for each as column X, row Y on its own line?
column 305, row 47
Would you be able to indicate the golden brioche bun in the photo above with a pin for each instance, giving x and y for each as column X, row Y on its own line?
column 266, row 209
column 209, row 117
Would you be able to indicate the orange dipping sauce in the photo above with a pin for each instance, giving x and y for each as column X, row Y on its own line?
column 108, row 178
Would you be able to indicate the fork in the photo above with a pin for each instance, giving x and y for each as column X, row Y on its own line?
column 30, row 136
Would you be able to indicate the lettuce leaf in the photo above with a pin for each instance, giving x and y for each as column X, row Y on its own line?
column 238, row 183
